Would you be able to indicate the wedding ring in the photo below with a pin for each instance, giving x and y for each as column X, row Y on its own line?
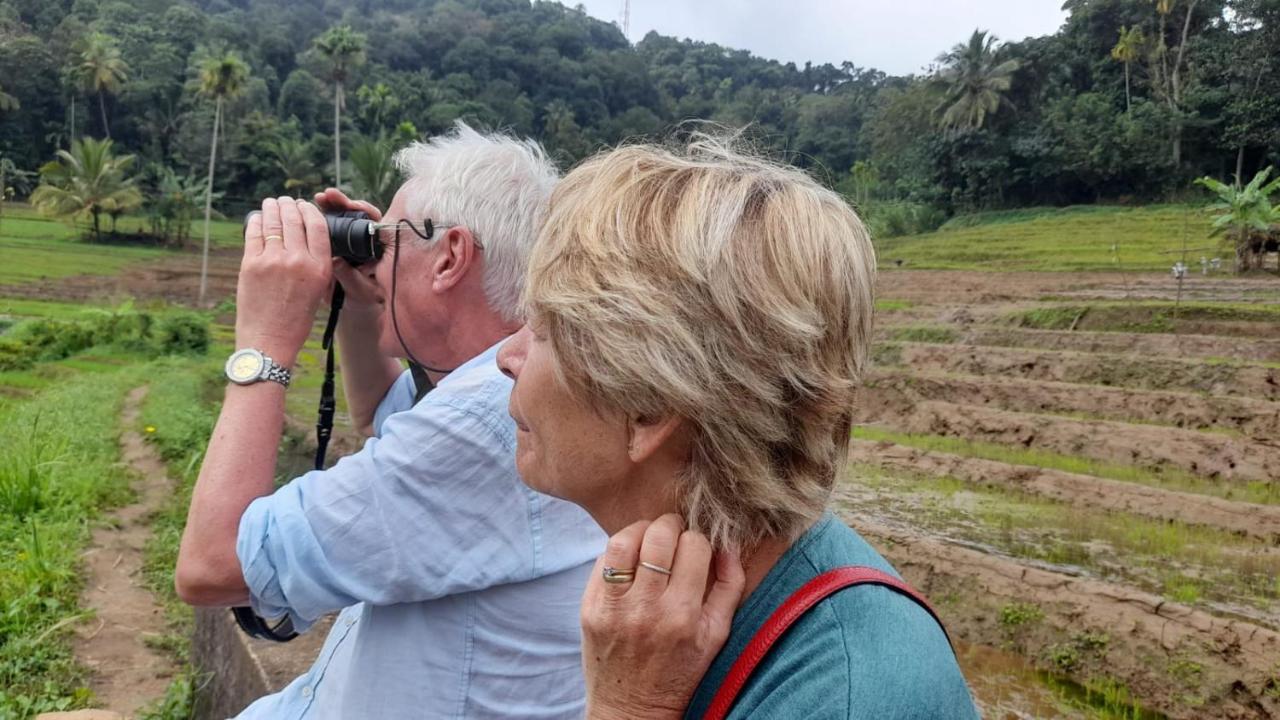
column 618, row 577
column 274, row 237
column 655, row 568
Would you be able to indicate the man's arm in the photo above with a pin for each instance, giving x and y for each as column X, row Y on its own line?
column 285, row 271
column 367, row 374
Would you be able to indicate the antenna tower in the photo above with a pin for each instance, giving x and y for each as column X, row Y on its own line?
column 626, row 19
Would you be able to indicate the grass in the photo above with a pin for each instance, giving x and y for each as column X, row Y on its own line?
column 1141, row 317
column 1186, row 563
column 1058, row 240
column 923, row 334
column 1169, row 479
column 36, row 248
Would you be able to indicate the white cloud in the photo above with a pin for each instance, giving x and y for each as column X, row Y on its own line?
column 897, row 36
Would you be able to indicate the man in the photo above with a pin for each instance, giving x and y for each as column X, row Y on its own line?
column 460, row 585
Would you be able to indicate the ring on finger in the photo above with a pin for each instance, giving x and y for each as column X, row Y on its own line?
column 618, row 576
column 655, row 568
column 274, row 237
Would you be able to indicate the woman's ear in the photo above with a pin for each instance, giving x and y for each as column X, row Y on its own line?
column 648, row 436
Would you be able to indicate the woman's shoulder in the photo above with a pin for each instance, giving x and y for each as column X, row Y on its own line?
column 866, row 651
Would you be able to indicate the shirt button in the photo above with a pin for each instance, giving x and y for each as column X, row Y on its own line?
column 306, row 691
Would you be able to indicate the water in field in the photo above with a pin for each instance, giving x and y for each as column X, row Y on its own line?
column 1007, row 687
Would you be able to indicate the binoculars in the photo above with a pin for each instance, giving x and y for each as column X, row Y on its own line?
column 353, row 236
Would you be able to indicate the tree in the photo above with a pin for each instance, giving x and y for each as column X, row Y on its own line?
column 376, row 177
column 174, row 205
column 222, row 77
column 1126, row 50
column 7, row 101
column 377, row 103
column 345, row 49
column 293, row 160
column 975, row 81
column 1244, row 213
column 1169, row 81
column 101, row 70
column 88, row 179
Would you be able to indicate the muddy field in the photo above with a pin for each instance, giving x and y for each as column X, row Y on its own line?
column 1096, row 512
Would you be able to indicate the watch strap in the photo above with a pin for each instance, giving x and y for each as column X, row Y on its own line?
column 275, row 372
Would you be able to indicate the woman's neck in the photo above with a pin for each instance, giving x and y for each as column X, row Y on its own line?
column 759, row 561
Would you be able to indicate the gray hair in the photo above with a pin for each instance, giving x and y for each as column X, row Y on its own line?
column 497, row 187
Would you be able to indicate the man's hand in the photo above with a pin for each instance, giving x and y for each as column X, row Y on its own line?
column 285, row 272
column 357, row 282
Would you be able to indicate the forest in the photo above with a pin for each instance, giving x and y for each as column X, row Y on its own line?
column 1127, row 102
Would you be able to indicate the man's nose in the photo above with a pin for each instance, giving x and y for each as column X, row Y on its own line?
column 511, row 354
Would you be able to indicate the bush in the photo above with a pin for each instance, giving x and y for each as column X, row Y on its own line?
column 31, row 341
column 893, row 219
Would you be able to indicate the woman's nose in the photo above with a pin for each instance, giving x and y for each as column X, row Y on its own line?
column 511, row 354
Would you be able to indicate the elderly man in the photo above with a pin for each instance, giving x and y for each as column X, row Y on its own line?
column 459, row 586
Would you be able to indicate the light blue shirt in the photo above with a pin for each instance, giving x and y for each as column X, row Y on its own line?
column 461, row 585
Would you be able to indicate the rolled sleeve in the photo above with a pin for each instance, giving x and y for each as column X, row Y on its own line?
column 432, row 507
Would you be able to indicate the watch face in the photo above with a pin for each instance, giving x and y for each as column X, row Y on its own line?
column 244, row 366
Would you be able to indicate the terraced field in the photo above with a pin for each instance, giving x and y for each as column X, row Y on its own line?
column 1086, row 480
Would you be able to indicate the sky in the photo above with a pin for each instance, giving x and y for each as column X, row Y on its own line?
column 896, row 36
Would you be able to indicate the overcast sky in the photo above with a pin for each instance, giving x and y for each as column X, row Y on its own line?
column 897, row 36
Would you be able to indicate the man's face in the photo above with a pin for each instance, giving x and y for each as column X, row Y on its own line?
column 413, row 292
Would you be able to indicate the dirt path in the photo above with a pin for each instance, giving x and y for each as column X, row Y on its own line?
column 126, row 673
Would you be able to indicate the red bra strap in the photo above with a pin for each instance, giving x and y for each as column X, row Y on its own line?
column 800, row 602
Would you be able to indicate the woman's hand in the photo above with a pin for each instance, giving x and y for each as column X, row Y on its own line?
column 647, row 642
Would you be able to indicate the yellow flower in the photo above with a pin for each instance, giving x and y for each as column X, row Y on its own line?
column 150, row 428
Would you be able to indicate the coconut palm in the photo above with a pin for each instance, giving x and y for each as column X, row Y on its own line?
column 293, row 160
column 87, row 180
column 345, row 49
column 101, row 70
column 974, row 81
column 222, row 77
column 1245, row 214
column 376, row 177
column 1128, row 49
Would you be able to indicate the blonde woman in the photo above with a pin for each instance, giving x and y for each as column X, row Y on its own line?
column 697, row 323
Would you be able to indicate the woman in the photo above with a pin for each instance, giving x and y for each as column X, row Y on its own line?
column 698, row 322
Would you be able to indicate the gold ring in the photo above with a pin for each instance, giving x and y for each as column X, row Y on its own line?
column 655, row 568
column 618, row 577
column 274, row 237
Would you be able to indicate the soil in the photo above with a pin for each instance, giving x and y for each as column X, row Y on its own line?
column 126, row 673
column 1257, row 419
column 1146, row 636
column 943, row 287
column 171, row 280
column 1209, row 455
column 1142, row 373
column 1147, row 344
column 1083, row 491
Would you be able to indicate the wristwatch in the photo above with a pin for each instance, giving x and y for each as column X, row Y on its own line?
column 248, row 366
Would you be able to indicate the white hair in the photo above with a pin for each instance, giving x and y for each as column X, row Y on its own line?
column 496, row 186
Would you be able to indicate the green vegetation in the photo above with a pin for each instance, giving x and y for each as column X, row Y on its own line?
column 1170, row 479
column 1016, row 615
column 924, row 334
column 1190, row 564
column 59, row 469
column 36, row 248
column 1246, row 215
column 36, row 340
column 1142, row 317
column 1070, row 239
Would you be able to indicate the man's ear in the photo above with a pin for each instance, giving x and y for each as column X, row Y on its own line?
column 456, row 251
column 646, row 437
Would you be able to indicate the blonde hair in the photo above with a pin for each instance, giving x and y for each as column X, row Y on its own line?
column 724, row 289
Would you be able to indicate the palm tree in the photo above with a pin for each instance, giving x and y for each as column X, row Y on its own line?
column 222, row 77
column 376, row 175
column 345, row 49
column 293, row 160
column 975, row 81
column 1128, row 49
column 88, row 179
column 377, row 103
column 1244, row 213
column 101, row 70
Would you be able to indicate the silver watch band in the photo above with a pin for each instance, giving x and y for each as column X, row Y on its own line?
column 276, row 372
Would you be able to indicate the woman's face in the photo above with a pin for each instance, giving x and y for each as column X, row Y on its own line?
column 564, row 447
